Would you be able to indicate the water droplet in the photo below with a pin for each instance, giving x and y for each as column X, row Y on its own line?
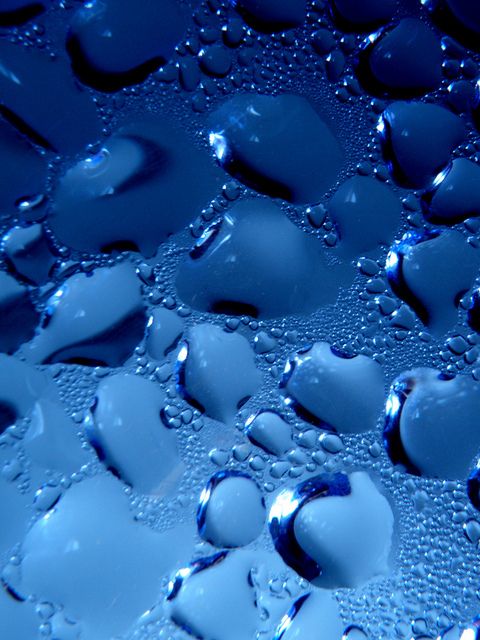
column 92, row 319
column 270, row 15
column 454, row 196
column 420, row 271
column 431, row 422
column 129, row 437
column 51, row 440
column 269, row 431
column 418, row 140
column 279, row 145
column 18, row 317
column 23, row 169
column 366, row 214
column 91, row 534
column 113, row 45
column 231, row 512
column 256, row 262
column 337, row 392
column 214, row 598
column 353, row 16
column 18, row 620
column 308, row 614
column 164, row 330
column 404, row 61
column 217, row 371
column 334, row 530
column 28, row 253
column 65, row 119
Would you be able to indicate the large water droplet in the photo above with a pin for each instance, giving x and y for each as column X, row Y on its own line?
column 404, row 61
column 28, row 253
column 214, row 598
column 418, row 140
column 356, row 16
column 163, row 332
column 424, row 270
column 278, row 145
column 126, row 430
column 20, row 387
column 148, row 182
column 337, row 392
column 15, row 513
column 269, row 431
column 460, row 18
column 18, row 316
column 455, row 194
column 257, row 262
column 92, row 319
column 23, row 170
column 366, row 214
column 314, row 616
column 90, row 555
column 18, row 620
column 15, row 12
column 51, row 440
column 431, row 423
column 139, row 40
column 334, row 530
column 216, row 371
column 270, row 15
column 65, row 118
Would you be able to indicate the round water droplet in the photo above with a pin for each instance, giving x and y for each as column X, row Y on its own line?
column 231, row 512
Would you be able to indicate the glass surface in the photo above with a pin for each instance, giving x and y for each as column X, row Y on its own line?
column 239, row 319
